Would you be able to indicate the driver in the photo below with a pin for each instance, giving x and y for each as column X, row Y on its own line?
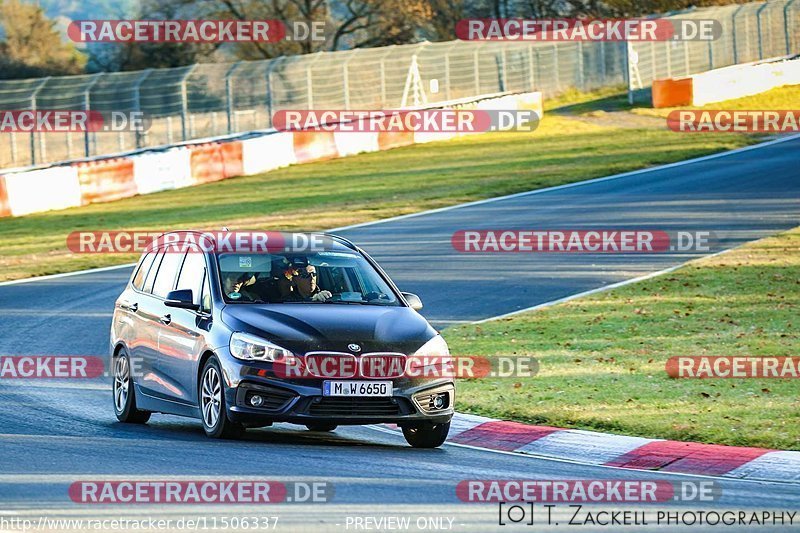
column 298, row 281
column 306, row 283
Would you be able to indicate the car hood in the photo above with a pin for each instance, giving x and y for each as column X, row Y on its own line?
column 332, row 327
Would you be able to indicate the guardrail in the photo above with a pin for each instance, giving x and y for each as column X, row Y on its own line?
column 105, row 179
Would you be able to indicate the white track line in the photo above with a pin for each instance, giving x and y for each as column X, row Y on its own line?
column 459, row 206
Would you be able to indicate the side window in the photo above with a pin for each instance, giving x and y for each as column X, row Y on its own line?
column 144, row 268
column 151, row 276
column 205, row 297
column 165, row 279
column 191, row 276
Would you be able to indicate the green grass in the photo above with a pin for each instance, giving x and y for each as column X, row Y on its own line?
column 357, row 189
column 602, row 357
column 782, row 98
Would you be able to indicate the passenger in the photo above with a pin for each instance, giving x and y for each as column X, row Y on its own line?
column 233, row 284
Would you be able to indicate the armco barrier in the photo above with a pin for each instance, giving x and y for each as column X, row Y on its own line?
column 267, row 152
column 725, row 83
column 184, row 165
column 162, row 171
column 5, row 209
column 106, row 180
column 43, row 190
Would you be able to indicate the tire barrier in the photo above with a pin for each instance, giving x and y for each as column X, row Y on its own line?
column 314, row 146
column 162, row 171
column 267, row 152
column 725, row 83
column 5, row 207
column 215, row 161
column 107, row 179
column 43, row 190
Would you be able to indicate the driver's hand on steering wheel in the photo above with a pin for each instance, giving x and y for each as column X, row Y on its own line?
column 321, row 296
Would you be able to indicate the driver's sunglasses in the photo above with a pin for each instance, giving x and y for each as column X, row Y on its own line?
column 307, row 274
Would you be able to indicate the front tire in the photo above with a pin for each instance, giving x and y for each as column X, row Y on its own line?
column 124, row 392
column 212, row 404
column 427, row 436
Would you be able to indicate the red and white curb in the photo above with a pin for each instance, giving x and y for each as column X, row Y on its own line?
column 604, row 449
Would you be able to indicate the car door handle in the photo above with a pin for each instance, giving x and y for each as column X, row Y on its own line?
column 130, row 307
column 166, row 319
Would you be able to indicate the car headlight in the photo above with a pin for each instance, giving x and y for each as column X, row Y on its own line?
column 435, row 346
column 252, row 348
column 432, row 360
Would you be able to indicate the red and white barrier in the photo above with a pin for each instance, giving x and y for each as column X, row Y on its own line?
column 725, row 83
column 43, row 190
column 104, row 180
column 162, row 171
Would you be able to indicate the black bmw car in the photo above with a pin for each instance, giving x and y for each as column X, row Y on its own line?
column 318, row 336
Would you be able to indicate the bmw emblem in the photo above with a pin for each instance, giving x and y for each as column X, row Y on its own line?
column 354, row 347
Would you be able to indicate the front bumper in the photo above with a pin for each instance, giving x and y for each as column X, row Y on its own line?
column 300, row 401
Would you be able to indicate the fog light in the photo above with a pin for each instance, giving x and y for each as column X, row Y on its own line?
column 439, row 401
column 256, row 400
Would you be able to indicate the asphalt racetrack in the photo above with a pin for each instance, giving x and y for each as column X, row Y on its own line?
column 55, row 433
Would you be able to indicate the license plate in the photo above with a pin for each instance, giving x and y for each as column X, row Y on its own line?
column 357, row 388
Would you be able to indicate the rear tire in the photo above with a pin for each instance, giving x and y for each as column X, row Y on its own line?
column 427, row 436
column 321, row 427
column 124, row 392
column 213, row 410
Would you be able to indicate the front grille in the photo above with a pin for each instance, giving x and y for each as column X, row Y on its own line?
column 354, row 406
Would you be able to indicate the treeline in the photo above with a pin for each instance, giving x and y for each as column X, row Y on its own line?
column 32, row 45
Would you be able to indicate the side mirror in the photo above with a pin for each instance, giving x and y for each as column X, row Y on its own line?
column 413, row 301
column 182, row 299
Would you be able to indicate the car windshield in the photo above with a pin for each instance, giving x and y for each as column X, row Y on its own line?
column 326, row 277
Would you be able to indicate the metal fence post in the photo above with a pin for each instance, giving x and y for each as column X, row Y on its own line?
column 185, row 100
column 531, row 78
column 229, row 95
column 346, row 78
column 87, row 107
column 447, row 91
column 34, row 94
column 476, row 66
column 137, row 103
column 786, row 32
column 272, row 63
column 760, row 36
column 581, row 80
column 733, row 35
column 504, row 64
column 555, row 66
column 382, row 66
column 309, row 84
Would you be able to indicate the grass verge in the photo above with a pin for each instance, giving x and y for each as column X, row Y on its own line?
column 357, row 189
column 602, row 357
